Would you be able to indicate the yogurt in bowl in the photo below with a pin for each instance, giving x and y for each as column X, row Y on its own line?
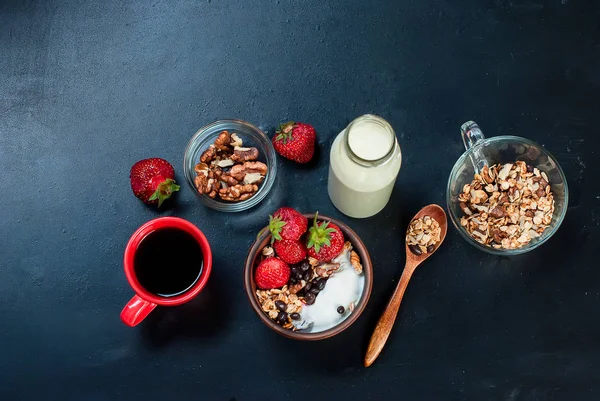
column 338, row 298
column 317, row 299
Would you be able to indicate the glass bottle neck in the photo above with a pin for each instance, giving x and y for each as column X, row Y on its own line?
column 369, row 140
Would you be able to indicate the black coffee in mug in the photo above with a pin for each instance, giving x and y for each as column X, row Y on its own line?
column 168, row 262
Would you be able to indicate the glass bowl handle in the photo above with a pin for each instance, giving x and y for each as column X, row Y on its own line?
column 471, row 135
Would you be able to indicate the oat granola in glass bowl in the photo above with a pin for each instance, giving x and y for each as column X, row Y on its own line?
column 238, row 173
column 506, row 195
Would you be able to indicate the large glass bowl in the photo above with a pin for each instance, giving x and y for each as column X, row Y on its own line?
column 504, row 149
column 252, row 137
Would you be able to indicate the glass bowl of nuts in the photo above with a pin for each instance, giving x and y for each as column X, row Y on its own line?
column 230, row 164
column 506, row 195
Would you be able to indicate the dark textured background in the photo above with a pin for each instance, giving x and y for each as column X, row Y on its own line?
column 88, row 89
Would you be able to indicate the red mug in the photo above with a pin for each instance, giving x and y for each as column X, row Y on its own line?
column 144, row 302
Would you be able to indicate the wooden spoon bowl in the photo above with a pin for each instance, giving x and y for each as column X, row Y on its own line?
column 387, row 319
column 437, row 213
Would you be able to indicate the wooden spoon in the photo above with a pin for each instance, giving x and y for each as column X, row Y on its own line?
column 386, row 321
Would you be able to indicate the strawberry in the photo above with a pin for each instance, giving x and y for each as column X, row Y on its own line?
column 287, row 223
column 295, row 141
column 325, row 240
column 152, row 180
column 290, row 251
column 271, row 273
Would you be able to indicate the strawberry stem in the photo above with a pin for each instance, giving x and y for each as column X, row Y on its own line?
column 164, row 191
column 275, row 226
column 319, row 235
column 285, row 132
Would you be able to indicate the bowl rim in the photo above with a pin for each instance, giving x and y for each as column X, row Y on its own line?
column 506, row 252
column 263, row 190
column 357, row 245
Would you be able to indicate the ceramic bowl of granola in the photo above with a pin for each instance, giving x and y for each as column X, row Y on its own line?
column 506, row 195
column 317, row 299
column 230, row 165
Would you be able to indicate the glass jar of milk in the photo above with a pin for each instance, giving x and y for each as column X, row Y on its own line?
column 364, row 162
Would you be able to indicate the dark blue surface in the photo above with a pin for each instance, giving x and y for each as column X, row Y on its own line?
column 88, row 89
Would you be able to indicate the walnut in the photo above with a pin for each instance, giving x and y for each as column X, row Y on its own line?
column 201, row 168
column 295, row 288
column 253, row 178
column 238, row 192
column 267, row 251
column 207, row 186
column 222, row 141
column 226, row 178
column 228, row 170
column 239, row 171
column 212, row 185
column 355, row 261
column 326, row 269
column 209, row 154
column 236, row 140
column 225, row 163
column 200, row 183
column 229, row 180
column 206, row 183
column 244, row 154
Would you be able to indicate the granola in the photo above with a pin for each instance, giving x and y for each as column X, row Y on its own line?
column 268, row 303
column 507, row 205
column 284, row 305
column 228, row 170
column 423, row 235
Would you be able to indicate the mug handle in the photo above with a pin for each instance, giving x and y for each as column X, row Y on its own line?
column 136, row 310
column 471, row 135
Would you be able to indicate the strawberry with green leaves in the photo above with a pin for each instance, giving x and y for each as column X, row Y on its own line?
column 325, row 240
column 295, row 141
column 287, row 223
column 152, row 180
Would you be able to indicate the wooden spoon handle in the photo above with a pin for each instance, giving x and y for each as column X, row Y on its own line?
column 386, row 321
